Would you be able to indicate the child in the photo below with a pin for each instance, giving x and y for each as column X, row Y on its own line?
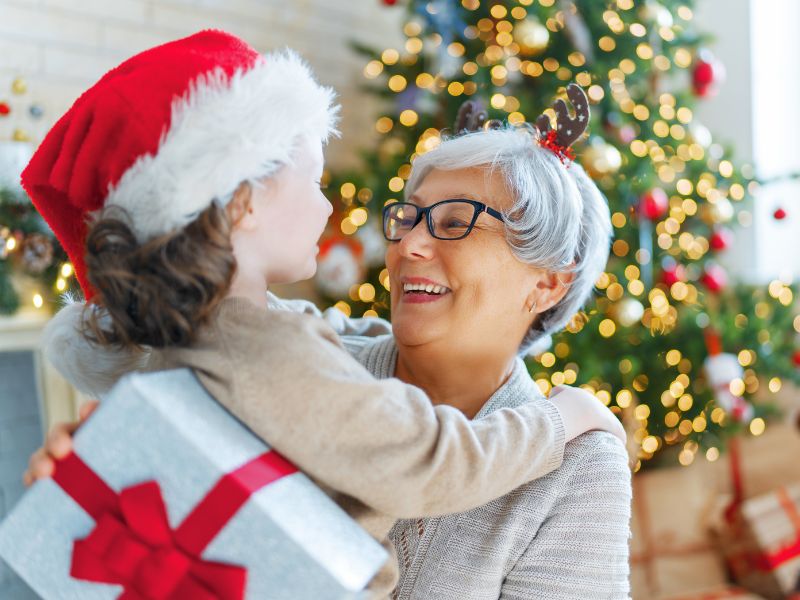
column 198, row 165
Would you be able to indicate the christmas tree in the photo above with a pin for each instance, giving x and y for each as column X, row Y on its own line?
column 685, row 351
column 34, row 269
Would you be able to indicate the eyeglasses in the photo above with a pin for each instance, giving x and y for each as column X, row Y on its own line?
column 446, row 220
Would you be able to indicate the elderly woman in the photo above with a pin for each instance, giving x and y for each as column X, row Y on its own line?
column 497, row 245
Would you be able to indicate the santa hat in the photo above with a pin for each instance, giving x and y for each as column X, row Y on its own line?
column 163, row 136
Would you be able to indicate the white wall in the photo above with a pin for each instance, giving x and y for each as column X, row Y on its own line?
column 757, row 111
column 63, row 46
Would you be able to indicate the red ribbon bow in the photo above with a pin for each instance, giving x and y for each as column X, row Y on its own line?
column 139, row 552
column 133, row 545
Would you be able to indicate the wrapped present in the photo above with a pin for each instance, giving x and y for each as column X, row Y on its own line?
column 168, row 496
column 760, row 538
column 723, row 592
column 671, row 550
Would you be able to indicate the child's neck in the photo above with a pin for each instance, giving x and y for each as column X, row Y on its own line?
column 250, row 287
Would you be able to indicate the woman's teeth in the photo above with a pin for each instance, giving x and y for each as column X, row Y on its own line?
column 428, row 288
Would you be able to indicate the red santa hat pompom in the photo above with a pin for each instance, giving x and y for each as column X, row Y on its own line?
column 167, row 133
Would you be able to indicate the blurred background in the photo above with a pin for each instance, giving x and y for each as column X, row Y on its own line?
column 695, row 140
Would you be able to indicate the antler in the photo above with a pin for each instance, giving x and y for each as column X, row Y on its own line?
column 472, row 117
column 568, row 129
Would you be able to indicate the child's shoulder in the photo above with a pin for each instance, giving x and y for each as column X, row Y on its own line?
column 264, row 327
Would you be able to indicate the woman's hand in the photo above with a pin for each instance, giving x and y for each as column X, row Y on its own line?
column 582, row 412
column 57, row 445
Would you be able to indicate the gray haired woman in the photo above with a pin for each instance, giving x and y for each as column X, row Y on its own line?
column 497, row 245
column 539, row 240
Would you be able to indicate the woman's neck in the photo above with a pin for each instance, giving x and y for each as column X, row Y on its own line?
column 464, row 382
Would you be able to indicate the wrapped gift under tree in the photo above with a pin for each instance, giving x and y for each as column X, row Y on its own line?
column 761, row 543
column 168, row 496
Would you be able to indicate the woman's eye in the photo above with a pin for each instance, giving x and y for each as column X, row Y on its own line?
column 455, row 224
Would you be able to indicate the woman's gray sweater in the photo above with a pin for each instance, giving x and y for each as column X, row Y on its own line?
column 564, row 536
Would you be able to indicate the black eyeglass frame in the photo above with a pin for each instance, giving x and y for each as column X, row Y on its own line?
column 425, row 212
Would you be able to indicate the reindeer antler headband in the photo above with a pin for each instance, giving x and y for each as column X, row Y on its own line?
column 472, row 117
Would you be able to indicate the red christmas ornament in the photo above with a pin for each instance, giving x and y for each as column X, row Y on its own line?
column 715, row 278
column 708, row 73
column 654, row 204
column 672, row 274
column 721, row 239
column 796, row 358
column 4, row 109
column 779, row 214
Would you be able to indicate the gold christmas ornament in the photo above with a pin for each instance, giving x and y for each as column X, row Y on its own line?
column 19, row 86
column 20, row 135
column 531, row 36
column 628, row 311
column 600, row 159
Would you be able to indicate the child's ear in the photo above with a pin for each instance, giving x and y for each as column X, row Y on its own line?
column 240, row 205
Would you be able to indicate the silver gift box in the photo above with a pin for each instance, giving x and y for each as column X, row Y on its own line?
column 294, row 541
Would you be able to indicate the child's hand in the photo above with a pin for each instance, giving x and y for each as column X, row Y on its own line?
column 582, row 412
column 57, row 445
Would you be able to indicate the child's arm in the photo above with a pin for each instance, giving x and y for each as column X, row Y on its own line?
column 341, row 324
column 383, row 442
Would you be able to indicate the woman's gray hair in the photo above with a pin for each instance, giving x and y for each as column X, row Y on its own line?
column 559, row 220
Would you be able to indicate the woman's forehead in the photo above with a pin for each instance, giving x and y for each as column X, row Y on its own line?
column 475, row 183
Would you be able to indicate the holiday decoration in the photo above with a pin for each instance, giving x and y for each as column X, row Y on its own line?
column 715, row 278
column 631, row 59
column 761, row 543
column 654, row 204
column 721, row 239
column 707, row 75
column 628, row 311
column 723, row 372
column 339, row 265
column 146, row 505
column 779, row 214
column 600, row 159
column 531, row 36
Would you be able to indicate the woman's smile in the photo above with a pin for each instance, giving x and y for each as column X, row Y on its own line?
column 418, row 290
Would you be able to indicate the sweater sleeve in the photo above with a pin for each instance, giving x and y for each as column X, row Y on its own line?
column 343, row 325
column 581, row 549
column 381, row 441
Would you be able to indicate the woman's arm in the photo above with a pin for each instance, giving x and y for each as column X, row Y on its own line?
column 581, row 549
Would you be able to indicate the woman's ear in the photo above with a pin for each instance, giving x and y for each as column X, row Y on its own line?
column 548, row 289
column 240, row 207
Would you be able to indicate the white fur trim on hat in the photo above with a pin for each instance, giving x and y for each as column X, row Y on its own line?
column 91, row 368
column 225, row 130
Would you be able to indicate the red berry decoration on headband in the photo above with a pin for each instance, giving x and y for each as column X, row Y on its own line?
column 4, row 109
column 779, row 214
column 654, row 204
column 708, row 73
column 721, row 239
column 715, row 278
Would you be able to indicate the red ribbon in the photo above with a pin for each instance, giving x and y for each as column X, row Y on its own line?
column 133, row 545
column 769, row 561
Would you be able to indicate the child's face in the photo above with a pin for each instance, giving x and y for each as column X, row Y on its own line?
column 289, row 215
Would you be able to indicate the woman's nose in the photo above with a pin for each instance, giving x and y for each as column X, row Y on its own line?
column 417, row 243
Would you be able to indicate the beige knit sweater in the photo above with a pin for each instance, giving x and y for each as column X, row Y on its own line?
column 379, row 448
